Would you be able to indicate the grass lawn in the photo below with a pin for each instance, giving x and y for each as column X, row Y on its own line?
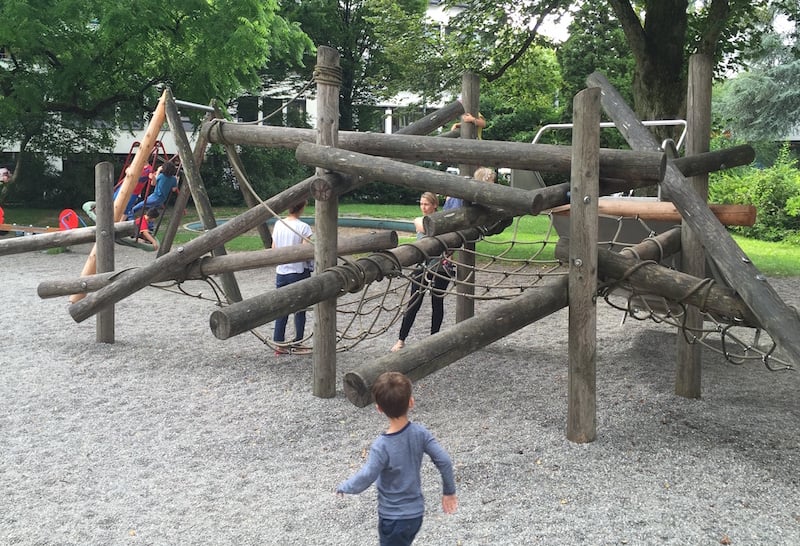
column 773, row 259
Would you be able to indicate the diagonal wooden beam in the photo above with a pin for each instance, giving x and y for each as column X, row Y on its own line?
column 778, row 319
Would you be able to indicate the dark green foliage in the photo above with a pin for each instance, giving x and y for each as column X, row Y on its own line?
column 74, row 70
column 596, row 43
column 382, row 193
column 381, row 45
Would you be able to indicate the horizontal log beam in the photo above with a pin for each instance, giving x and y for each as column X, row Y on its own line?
column 665, row 211
column 241, row 261
column 718, row 160
column 439, row 350
column 447, row 221
column 652, row 278
column 554, row 197
column 516, row 201
column 621, row 164
column 56, row 239
column 243, row 316
column 175, row 261
column 657, row 248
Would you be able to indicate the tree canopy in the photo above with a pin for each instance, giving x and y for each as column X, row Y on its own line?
column 660, row 34
column 75, row 70
column 379, row 43
column 763, row 102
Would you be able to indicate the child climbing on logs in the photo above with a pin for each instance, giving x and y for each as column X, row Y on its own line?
column 484, row 174
column 432, row 274
column 394, row 462
column 287, row 232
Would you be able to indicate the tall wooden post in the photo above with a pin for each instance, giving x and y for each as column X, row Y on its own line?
column 693, row 258
column 465, row 305
column 326, row 212
column 583, row 233
column 104, row 241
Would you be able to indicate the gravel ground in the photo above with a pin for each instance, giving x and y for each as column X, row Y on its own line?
column 171, row 436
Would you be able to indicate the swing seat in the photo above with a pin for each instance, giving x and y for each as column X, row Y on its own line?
column 69, row 219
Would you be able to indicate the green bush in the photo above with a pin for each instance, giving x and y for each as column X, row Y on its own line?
column 774, row 191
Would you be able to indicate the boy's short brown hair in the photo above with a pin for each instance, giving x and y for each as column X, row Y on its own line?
column 392, row 393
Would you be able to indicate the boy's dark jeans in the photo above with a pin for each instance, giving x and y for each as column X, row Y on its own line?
column 398, row 532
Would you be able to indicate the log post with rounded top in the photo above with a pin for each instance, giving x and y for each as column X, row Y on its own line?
column 104, row 241
column 328, row 76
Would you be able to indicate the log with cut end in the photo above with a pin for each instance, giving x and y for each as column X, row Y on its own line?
column 665, row 211
column 439, row 350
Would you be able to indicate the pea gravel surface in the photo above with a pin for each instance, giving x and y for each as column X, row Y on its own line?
column 170, row 436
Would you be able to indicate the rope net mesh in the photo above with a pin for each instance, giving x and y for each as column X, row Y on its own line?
column 508, row 264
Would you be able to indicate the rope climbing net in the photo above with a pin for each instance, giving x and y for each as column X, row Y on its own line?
column 510, row 263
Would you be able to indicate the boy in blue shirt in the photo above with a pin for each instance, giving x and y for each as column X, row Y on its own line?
column 394, row 463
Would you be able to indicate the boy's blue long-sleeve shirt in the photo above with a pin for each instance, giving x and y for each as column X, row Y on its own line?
column 394, row 463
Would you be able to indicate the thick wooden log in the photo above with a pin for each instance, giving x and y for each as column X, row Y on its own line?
column 439, row 350
column 56, row 239
column 688, row 369
column 431, row 122
column 665, row 211
column 447, row 221
column 326, row 213
column 253, row 312
column 202, row 203
column 584, row 193
column 104, row 243
column 339, row 184
column 240, row 261
column 419, row 178
column 780, row 321
column 219, row 131
column 656, row 248
column 718, row 160
column 465, row 273
column 173, row 262
column 553, row 198
column 182, row 199
column 620, row 164
column 652, row 278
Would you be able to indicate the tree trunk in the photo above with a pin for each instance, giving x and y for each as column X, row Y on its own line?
column 659, row 84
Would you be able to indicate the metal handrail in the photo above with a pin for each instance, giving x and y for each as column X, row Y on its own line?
column 649, row 123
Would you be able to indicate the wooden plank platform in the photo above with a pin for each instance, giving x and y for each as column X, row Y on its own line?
column 27, row 229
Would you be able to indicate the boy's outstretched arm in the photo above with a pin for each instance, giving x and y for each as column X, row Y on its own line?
column 449, row 504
